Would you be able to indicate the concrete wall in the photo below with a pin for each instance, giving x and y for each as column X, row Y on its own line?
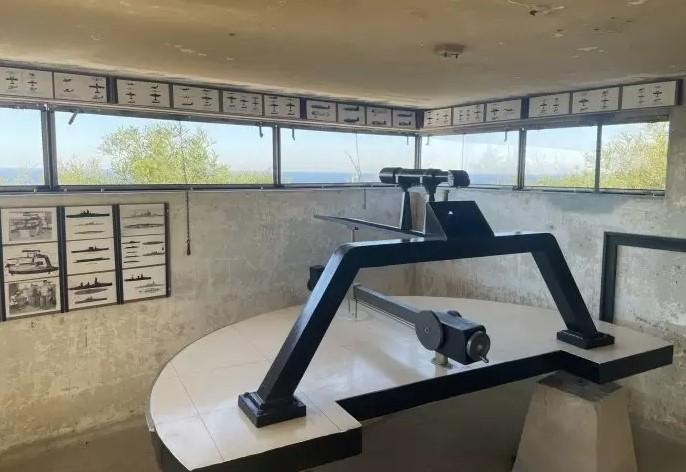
column 68, row 372
column 650, row 288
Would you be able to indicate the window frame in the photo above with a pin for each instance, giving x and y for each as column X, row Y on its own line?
column 48, row 137
column 45, row 144
column 484, row 130
column 334, row 129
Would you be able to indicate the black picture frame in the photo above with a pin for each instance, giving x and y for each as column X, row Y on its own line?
column 611, row 243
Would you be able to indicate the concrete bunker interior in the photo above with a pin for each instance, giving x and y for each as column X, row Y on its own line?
column 244, row 120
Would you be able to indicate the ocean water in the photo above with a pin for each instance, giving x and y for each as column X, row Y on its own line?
column 33, row 176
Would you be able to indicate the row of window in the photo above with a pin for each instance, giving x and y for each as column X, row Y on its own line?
column 100, row 150
column 630, row 156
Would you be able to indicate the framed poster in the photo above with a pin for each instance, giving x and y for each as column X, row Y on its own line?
column 32, row 297
column 142, row 219
column 28, row 225
column 142, row 93
column 469, row 114
column 659, row 94
column 87, row 88
column 88, row 222
column 144, row 282
column 90, row 256
column 504, row 111
column 242, row 103
column 320, row 110
column 281, row 107
column 140, row 251
column 30, row 261
column 195, row 98
column 592, row 101
column 549, row 105
column 25, row 82
column 88, row 290
column 352, row 114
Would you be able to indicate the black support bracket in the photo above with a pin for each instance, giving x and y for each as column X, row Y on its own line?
column 458, row 231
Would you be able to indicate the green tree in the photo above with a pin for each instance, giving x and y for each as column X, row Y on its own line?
column 636, row 158
column 160, row 153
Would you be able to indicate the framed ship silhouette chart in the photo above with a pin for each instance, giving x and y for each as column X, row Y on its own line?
column 144, row 255
column 90, row 255
column 59, row 259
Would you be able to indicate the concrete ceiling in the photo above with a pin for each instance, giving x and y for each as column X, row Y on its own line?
column 376, row 50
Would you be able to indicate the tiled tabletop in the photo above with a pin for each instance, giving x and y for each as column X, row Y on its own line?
column 193, row 403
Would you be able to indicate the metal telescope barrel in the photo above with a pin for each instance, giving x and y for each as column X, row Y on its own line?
column 407, row 178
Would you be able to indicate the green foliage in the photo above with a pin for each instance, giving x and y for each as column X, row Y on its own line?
column 160, row 153
column 634, row 159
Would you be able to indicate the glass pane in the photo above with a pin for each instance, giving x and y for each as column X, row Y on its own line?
column 489, row 158
column 634, row 156
column 21, row 147
column 561, row 157
column 103, row 149
column 332, row 157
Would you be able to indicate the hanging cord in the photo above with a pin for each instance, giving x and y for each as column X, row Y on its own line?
column 185, row 178
column 188, row 224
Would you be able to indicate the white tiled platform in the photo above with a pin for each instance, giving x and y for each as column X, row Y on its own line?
column 193, row 403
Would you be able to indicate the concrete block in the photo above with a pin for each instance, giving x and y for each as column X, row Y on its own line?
column 576, row 426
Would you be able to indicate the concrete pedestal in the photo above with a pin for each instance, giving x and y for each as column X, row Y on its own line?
column 576, row 426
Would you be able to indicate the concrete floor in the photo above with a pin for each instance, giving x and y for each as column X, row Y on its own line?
column 475, row 432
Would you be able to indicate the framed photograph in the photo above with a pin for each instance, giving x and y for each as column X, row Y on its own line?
column 30, row 261
column 32, row 297
column 90, row 290
column 145, row 282
column 141, row 251
column 28, row 225
column 95, row 255
column 142, row 219
column 88, row 222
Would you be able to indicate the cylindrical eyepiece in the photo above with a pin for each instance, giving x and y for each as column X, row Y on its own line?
column 407, row 178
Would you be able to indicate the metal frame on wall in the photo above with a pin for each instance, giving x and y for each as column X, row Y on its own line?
column 63, row 274
column 611, row 243
column 109, row 105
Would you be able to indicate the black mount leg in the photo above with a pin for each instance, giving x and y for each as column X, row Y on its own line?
column 585, row 341
column 261, row 414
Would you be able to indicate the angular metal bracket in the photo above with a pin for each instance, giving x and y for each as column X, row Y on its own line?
column 273, row 401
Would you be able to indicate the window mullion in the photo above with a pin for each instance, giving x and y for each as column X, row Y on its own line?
column 598, row 151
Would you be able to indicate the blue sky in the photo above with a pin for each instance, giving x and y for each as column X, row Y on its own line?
column 550, row 151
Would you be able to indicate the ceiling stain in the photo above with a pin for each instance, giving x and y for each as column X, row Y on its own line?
column 377, row 51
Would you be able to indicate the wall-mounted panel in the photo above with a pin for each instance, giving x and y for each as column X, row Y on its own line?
column 144, row 258
column 659, row 94
column 195, row 98
column 144, row 282
column 378, row 116
column 90, row 256
column 25, row 83
column 504, row 111
column 84, row 88
column 549, row 105
column 142, row 93
column 405, row 119
column 594, row 101
column 352, row 114
column 91, row 290
column 438, row 118
column 469, row 114
column 242, row 103
column 320, row 110
column 281, row 107
column 31, row 261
